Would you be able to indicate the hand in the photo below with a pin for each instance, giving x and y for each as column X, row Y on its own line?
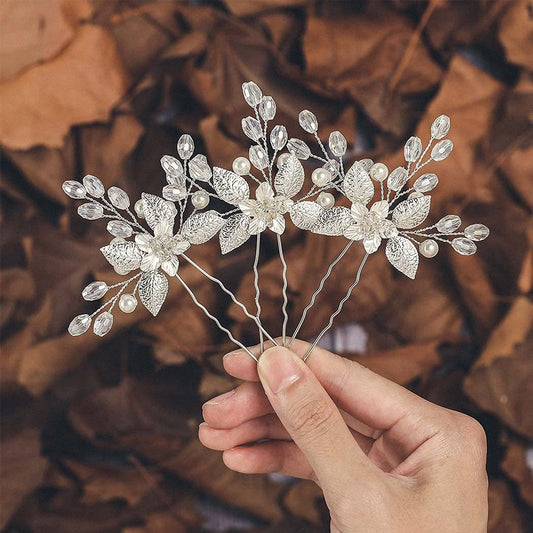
column 386, row 459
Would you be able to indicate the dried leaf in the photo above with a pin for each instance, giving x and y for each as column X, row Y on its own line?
column 517, row 465
column 516, row 33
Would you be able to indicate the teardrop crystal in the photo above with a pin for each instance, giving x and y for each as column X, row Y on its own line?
column 94, row 291
column 252, row 93
column 90, row 211
column 412, row 149
column 308, row 121
column 258, row 157
column 74, row 189
column 251, row 128
column 298, row 148
column 103, row 323
column 119, row 228
column 185, row 146
column 337, row 143
column 464, row 246
column 442, row 150
column 172, row 166
column 199, row 168
column 278, row 137
column 118, row 197
column 94, row 186
column 267, row 108
column 174, row 193
column 426, row 183
column 397, row 179
column 440, row 127
column 449, row 224
column 79, row 325
column 477, row 232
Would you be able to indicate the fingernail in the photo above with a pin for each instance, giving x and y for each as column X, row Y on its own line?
column 231, row 354
column 217, row 400
column 279, row 368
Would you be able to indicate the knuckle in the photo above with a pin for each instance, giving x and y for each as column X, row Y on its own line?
column 470, row 435
column 311, row 418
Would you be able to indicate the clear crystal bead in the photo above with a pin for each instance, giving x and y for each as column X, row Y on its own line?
column 118, row 197
column 94, row 291
column 103, row 323
column 199, row 168
column 464, row 246
column 337, row 143
column 426, row 183
column 267, row 108
column 440, row 127
column 185, row 146
column 90, row 211
column 477, row 232
column 252, row 93
column 278, row 137
column 174, row 193
column 79, row 325
column 397, row 179
column 172, row 166
column 119, row 228
column 94, row 186
column 332, row 167
column 251, row 128
column 258, row 157
column 442, row 150
column 308, row 121
column 412, row 149
column 366, row 164
column 298, row 148
column 74, row 189
column 449, row 224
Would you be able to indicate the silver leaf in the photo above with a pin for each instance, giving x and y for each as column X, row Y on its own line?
column 411, row 212
column 305, row 214
column 234, row 233
column 229, row 186
column 124, row 255
column 358, row 185
column 333, row 221
column 201, row 227
column 153, row 289
column 402, row 255
column 156, row 209
column 290, row 177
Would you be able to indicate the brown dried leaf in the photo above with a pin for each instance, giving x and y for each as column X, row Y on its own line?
column 517, row 467
column 504, row 516
column 304, row 500
column 243, row 8
column 516, row 33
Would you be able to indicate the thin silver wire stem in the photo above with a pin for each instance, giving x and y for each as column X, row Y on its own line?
column 231, row 295
column 317, row 292
column 258, row 291
column 214, row 318
column 284, row 292
column 339, row 308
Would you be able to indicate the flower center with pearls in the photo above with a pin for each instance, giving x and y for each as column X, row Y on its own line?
column 161, row 247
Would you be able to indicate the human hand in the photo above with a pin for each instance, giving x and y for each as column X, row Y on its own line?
column 386, row 459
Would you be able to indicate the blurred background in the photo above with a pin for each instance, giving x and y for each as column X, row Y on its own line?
column 99, row 435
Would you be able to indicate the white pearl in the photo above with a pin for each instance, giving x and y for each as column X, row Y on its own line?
column 282, row 159
column 415, row 194
column 320, row 177
column 127, row 303
column 200, row 199
column 326, row 200
column 139, row 209
column 241, row 166
column 429, row 248
column 379, row 172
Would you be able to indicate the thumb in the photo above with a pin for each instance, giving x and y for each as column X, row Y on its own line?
column 311, row 418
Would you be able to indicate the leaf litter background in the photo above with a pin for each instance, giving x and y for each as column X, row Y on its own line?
column 99, row 435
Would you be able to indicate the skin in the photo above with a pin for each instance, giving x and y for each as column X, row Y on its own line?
column 386, row 459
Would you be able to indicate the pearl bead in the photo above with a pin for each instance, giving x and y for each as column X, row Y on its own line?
column 127, row 303
column 415, row 194
column 429, row 248
column 379, row 172
column 326, row 200
column 241, row 166
column 139, row 209
column 200, row 199
column 282, row 159
column 320, row 177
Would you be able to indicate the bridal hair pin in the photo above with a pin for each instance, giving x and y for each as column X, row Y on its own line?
column 149, row 254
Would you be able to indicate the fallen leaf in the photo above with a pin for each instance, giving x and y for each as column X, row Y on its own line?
column 519, row 469
column 516, row 33
column 504, row 517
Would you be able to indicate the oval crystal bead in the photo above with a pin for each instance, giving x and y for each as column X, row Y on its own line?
column 172, row 166
column 251, row 128
column 267, row 108
column 90, row 211
column 118, row 197
column 449, row 224
column 477, row 232
column 412, row 149
column 442, row 150
column 397, row 179
column 103, row 323
column 332, row 167
column 94, row 186
column 94, row 291
column 258, row 157
column 174, row 193
column 278, row 137
column 185, row 146
column 79, row 325
column 464, row 246
column 308, row 121
column 440, row 127
column 119, row 228
column 298, row 148
column 426, row 183
column 199, row 168
column 337, row 143
column 252, row 93
column 74, row 189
